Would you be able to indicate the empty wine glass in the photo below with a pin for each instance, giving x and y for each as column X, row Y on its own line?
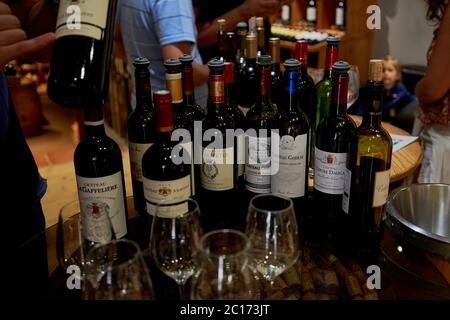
column 224, row 273
column 117, row 271
column 273, row 233
column 353, row 85
column 174, row 242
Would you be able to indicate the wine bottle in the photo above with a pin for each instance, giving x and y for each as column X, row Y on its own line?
column 324, row 86
column 311, row 13
column 291, row 180
column 340, row 15
column 334, row 135
column 140, row 129
column 277, row 81
column 241, row 32
column 79, row 69
column 368, row 170
column 286, row 13
column 238, row 118
column 167, row 183
column 261, row 36
column 262, row 115
column 100, row 181
column 248, row 79
column 221, row 39
column 219, row 168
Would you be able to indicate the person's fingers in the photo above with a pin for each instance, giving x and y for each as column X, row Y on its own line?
column 8, row 21
column 11, row 36
column 4, row 8
column 25, row 48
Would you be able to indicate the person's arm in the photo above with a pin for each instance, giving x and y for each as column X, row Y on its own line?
column 436, row 83
column 262, row 8
column 175, row 50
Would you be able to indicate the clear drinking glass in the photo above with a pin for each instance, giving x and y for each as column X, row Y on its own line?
column 224, row 273
column 117, row 271
column 174, row 243
column 273, row 234
column 353, row 85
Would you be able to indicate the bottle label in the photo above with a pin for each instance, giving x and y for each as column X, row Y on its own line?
column 171, row 196
column 381, row 188
column 347, row 190
column 217, row 88
column 329, row 171
column 100, row 197
column 290, row 179
column 285, row 13
column 217, row 172
column 339, row 16
column 137, row 151
column 173, row 83
column 241, row 154
column 311, row 14
column 82, row 18
column 188, row 146
column 258, row 165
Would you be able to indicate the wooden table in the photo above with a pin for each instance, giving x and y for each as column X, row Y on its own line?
column 404, row 161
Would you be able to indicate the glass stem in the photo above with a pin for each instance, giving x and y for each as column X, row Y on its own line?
column 181, row 291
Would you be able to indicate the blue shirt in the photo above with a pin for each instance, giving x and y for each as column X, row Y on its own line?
column 149, row 24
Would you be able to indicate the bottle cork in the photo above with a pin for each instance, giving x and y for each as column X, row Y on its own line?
column 259, row 22
column 376, row 70
column 222, row 24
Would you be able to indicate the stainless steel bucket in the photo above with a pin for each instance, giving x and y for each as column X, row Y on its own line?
column 420, row 215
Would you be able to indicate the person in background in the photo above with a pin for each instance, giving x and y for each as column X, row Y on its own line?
column 159, row 30
column 24, row 33
column 233, row 11
column 433, row 92
column 399, row 105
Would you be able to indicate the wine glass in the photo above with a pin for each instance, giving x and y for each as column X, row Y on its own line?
column 273, row 233
column 224, row 273
column 174, row 242
column 353, row 85
column 117, row 271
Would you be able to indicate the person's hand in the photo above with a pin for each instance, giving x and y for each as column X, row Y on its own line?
column 13, row 39
column 260, row 8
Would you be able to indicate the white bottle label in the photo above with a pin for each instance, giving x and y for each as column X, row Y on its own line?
column 311, row 14
column 241, row 154
column 290, row 179
column 381, row 188
column 339, row 16
column 188, row 146
column 285, row 13
column 82, row 18
column 137, row 151
column 171, row 196
column 258, row 165
column 329, row 171
column 347, row 190
column 98, row 197
column 217, row 172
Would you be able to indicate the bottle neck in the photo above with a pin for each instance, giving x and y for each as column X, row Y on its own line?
column 339, row 95
column 216, row 98
column 174, row 85
column 143, row 91
column 291, row 90
column 188, row 85
column 373, row 110
column 265, row 85
column 332, row 56
column 94, row 123
column 229, row 93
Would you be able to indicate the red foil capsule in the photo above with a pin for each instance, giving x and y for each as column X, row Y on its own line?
column 163, row 111
column 301, row 52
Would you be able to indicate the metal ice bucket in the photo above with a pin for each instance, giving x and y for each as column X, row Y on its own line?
column 420, row 214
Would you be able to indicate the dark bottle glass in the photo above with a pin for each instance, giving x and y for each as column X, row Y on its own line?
column 238, row 118
column 248, row 79
column 261, row 36
column 311, row 13
column 277, row 77
column 262, row 115
column 368, row 172
column 100, row 181
column 221, row 39
column 167, row 179
column 218, row 178
column 324, row 86
column 230, row 52
column 79, row 70
column 241, row 32
column 291, row 180
column 334, row 135
column 340, row 15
